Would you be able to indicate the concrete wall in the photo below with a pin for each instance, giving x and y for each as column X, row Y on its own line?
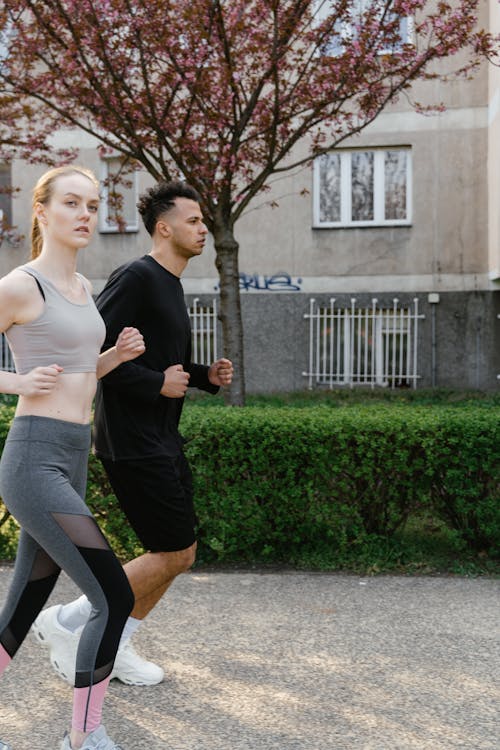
column 494, row 155
column 448, row 234
column 452, row 246
column 467, row 338
column 453, row 238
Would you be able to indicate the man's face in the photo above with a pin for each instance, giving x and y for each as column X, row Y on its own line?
column 187, row 229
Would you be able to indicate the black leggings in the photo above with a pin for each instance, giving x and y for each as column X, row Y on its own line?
column 43, row 473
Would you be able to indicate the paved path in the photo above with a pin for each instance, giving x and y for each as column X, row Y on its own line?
column 291, row 661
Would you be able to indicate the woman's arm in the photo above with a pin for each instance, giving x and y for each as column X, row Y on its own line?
column 129, row 345
column 20, row 301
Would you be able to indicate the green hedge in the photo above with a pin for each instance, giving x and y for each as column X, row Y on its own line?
column 274, row 482
column 284, row 484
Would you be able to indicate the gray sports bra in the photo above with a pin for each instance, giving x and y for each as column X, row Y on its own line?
column 65, row 333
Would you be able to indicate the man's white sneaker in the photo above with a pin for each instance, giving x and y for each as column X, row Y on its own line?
column 132, row 669
column 4, row 746
column 129, row 667
column 96, row 740
column 63, row 643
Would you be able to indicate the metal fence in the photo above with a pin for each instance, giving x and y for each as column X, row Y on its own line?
column 204, row 332
column 6, row 361
column 373, row 346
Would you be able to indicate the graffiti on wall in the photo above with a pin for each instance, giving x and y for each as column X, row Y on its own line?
column 278, row 282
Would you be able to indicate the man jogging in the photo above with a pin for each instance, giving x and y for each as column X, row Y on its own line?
column 137, row 412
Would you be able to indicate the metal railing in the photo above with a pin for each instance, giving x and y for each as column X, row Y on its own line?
column 6, row 360
column 204, row 332
column 372, row 346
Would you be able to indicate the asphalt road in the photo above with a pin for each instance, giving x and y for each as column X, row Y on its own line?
column 290, row 661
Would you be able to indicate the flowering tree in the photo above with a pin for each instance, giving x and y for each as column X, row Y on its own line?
column 221, row 91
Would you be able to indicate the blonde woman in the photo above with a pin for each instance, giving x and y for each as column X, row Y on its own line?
column 56, row 333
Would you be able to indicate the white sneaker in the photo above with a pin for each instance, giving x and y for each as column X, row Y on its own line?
column 4, row 746
column 63, row 643
column 129, row 667
column 132, row 669
column 96, row 740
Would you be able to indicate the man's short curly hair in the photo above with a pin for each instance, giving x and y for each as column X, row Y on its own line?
column 160, row 199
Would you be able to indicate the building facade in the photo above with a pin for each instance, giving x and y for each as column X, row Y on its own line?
column 379, row 265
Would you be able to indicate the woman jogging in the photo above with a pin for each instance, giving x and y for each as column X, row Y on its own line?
column 56, row 333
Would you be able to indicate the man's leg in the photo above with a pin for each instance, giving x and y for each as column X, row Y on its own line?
column 151, row 574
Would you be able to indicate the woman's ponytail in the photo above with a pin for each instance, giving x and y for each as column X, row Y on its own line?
column 36, row 239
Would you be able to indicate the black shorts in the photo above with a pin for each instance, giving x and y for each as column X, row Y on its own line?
column 156, row 495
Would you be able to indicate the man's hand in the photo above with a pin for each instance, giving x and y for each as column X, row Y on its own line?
column 221, row 372
column 175, row 383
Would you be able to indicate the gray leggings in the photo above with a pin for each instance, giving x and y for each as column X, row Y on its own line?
column 43, row 474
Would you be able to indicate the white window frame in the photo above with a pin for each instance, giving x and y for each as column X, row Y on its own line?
column 105, row 227
column 7, row 214
column 346, row 31
column 378, row 190
column 5, row 36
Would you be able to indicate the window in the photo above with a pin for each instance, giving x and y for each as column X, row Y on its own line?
column 345, row 29
column 118, row 208
column 5, row 35
column 371, row 346
column 362, row 188
column 5, row 196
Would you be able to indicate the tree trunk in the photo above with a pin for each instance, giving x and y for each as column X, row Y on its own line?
column 226, row 261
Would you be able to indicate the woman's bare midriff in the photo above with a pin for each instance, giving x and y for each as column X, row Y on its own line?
column 71, row 399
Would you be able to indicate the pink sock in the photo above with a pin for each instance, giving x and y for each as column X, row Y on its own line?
column 87, row 706
column 5, row 659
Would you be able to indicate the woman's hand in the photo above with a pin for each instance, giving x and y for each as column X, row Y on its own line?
column 40, row 381
column 129, row 344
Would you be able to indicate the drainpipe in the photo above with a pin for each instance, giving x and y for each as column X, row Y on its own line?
column 433, row 300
